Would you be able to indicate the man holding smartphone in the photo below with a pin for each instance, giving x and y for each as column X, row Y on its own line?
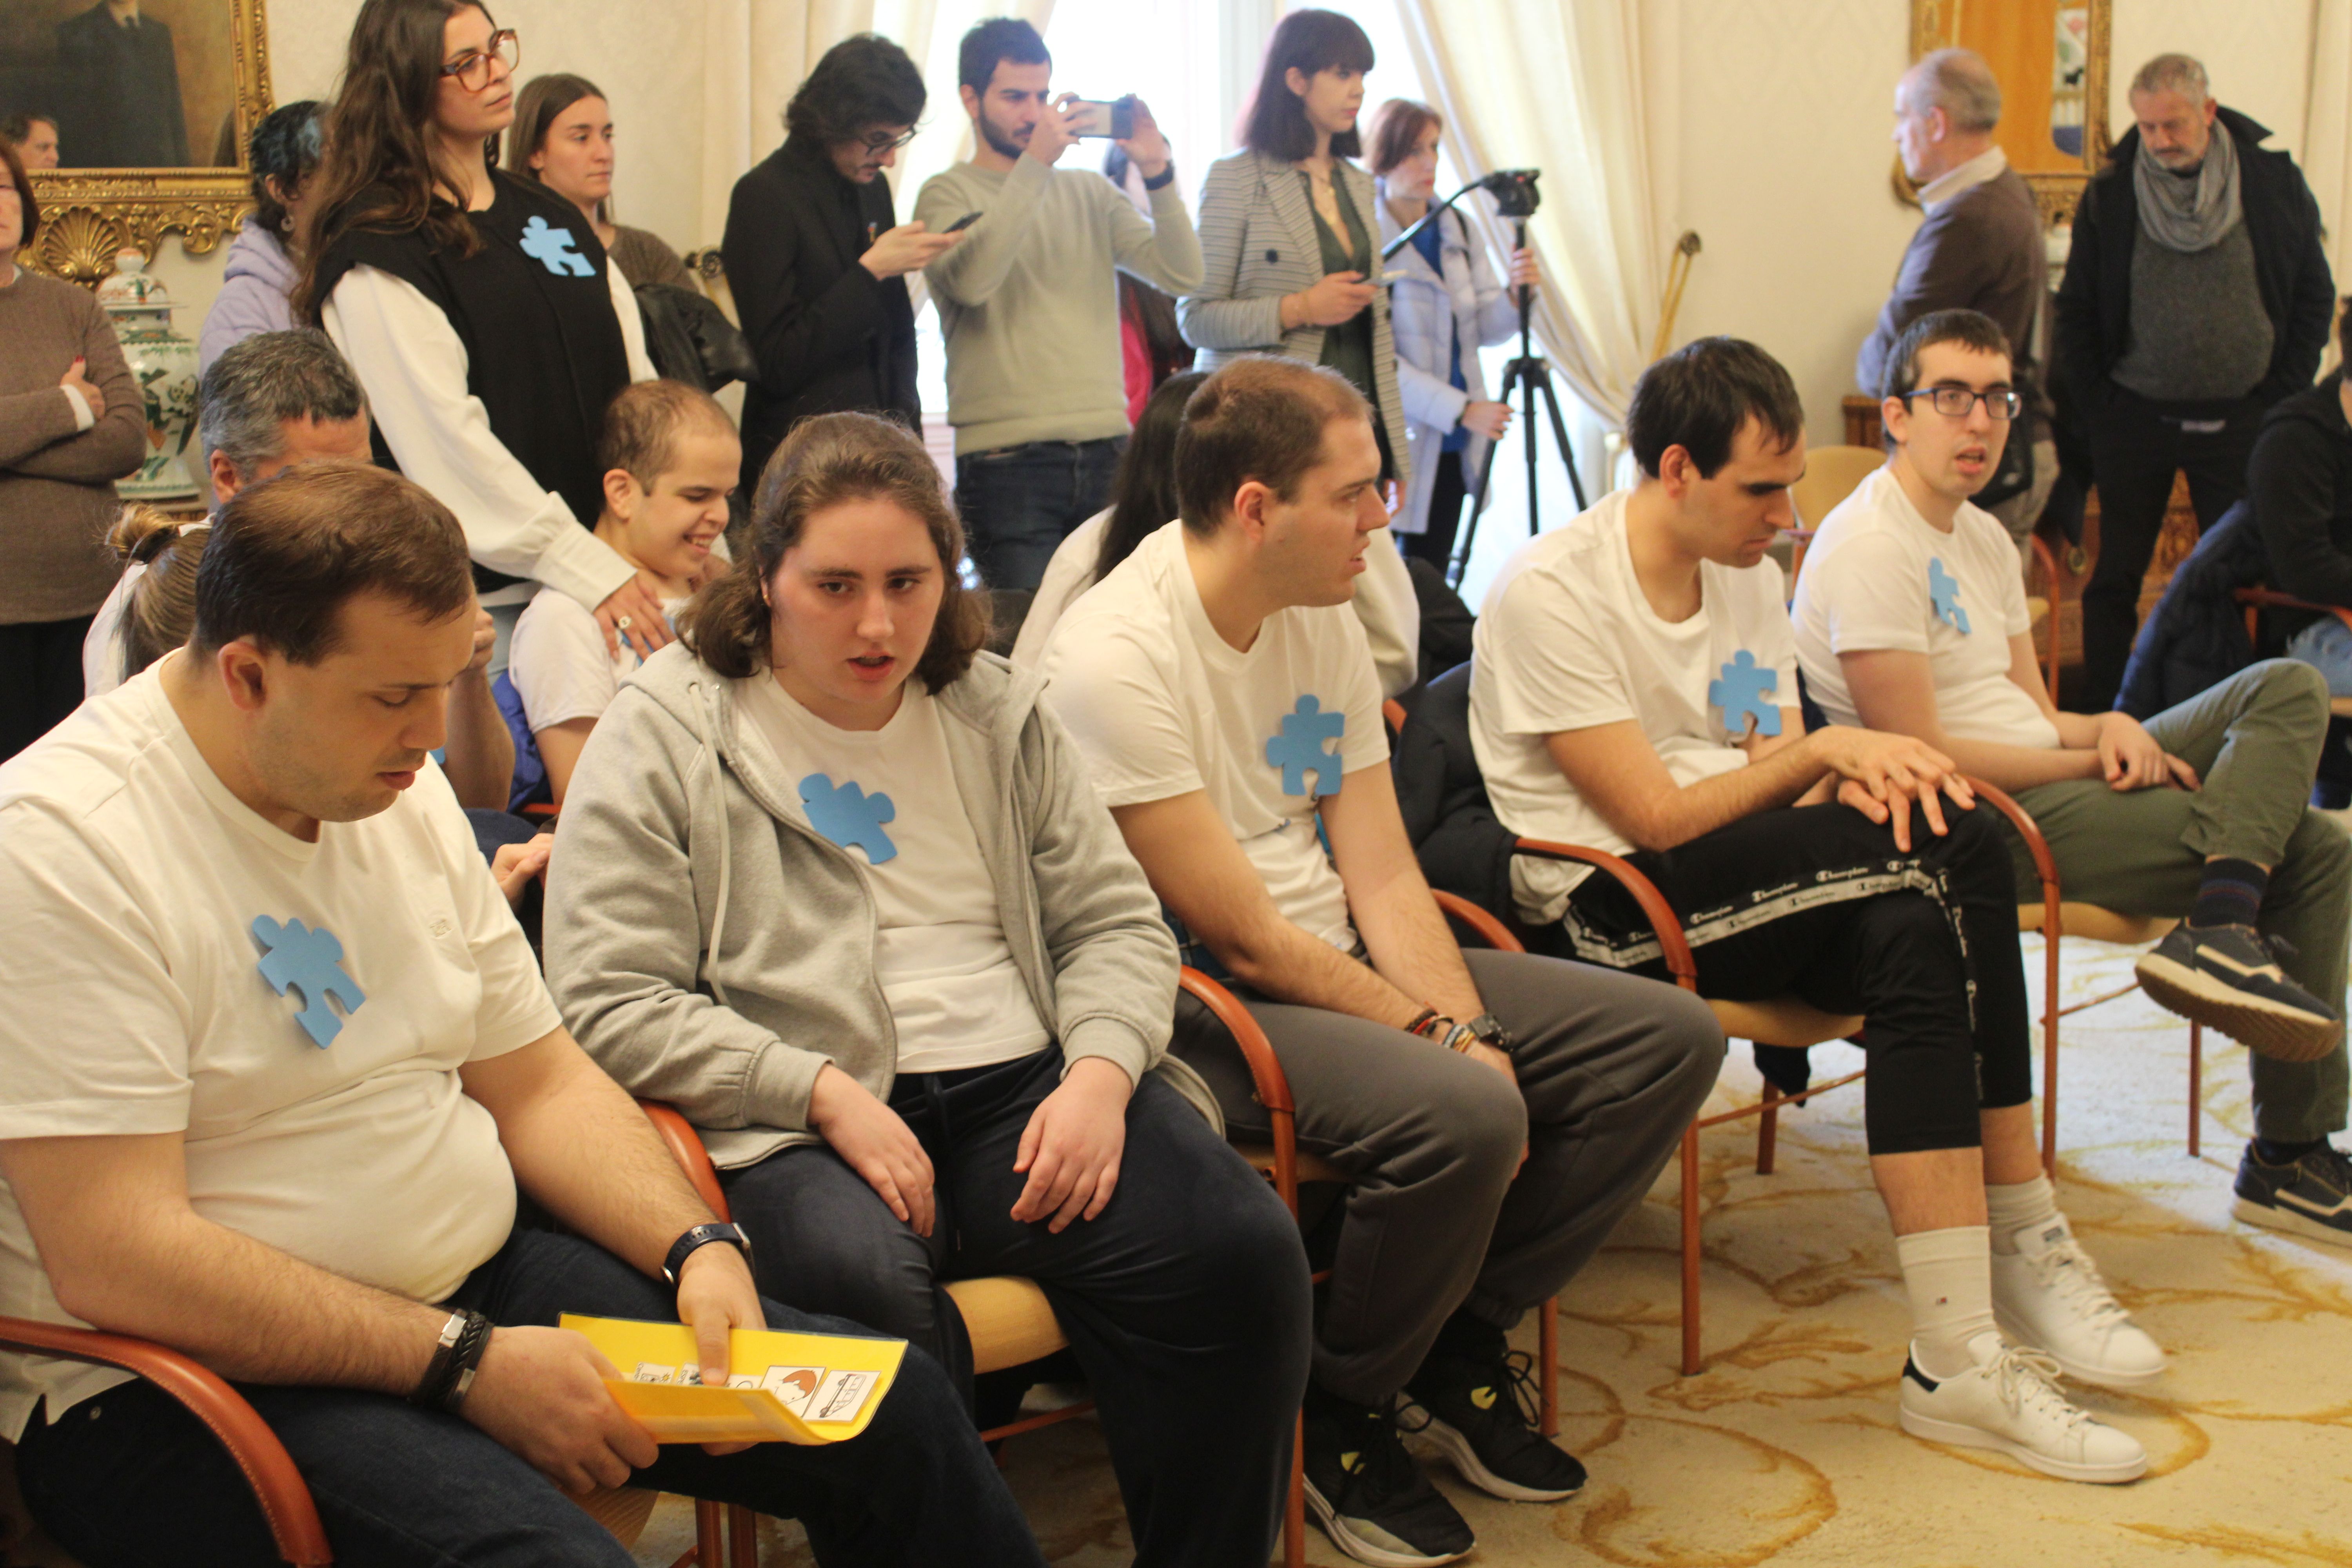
column 1029, row 299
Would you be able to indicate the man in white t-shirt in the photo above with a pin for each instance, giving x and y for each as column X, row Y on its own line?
column 671, row 457
column 1908, row 618
column 1636, row 691
column 1225, row 698
column 279, row 1065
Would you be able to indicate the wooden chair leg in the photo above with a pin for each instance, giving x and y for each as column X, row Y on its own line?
column 1690, row 1249
column 1294, row 1507
column 2195, row 1086
column 1768, row 1130
column 1547, row 1353
column 742, row 1537
column 2048, row 1053
column 709, row 1533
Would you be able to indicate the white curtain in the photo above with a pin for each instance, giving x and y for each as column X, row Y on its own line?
column 1558, row 85
column 2328, row 133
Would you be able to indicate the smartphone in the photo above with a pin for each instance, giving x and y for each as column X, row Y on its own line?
column 962, row 224
column 1113, row 118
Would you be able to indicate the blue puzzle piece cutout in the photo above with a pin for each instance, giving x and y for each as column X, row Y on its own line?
column 552, row 248
column 295, row 956
column 846, row 814
column 1298, row 750
column 1944, row 593
column 1740, row 693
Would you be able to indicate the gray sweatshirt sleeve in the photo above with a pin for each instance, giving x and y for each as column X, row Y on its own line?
column 624, row 930
column 1162, row 250
column 1114, row 961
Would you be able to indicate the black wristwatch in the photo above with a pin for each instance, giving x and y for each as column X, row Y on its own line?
column 1490, row 1031
column 699, row 1237
column 1160, row 180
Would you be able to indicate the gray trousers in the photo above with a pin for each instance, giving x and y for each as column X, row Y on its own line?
column 2254, row 739
column 1612, row 1068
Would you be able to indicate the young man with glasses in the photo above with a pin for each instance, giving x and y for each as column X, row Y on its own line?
column 816, row 256
column 1910, row 619
column 1635, row 690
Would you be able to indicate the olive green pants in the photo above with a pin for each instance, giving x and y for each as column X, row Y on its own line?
column 2255, row 740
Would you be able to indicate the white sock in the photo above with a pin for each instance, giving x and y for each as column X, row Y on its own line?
column 2016, row 1206
column 1948, row 1274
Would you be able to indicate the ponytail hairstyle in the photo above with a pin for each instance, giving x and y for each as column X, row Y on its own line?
column 378, row 171
column 828, row 460
column 160, row 606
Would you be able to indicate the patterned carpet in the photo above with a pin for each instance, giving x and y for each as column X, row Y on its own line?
column 1784, row 1449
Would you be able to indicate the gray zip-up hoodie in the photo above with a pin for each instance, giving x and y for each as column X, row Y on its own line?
column 711, row 949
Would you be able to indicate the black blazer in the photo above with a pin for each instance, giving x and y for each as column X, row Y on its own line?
column 828, row 334
column 2093, row 314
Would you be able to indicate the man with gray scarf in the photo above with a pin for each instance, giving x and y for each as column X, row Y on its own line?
column 2196, row 296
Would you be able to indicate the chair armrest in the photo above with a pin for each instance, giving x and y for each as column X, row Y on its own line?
column 1393, row 712
column 685, row 1147
column 1663, row 922
column 2270, row 599
column 268, row 1469
column 2045, row 864
column 2046, row 558
column 1267, row 1079
column 1490, row 930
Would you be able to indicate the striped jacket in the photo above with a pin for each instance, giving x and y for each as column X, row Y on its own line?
column 1258, row 244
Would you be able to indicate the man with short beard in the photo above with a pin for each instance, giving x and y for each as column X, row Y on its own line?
column 1029, row 303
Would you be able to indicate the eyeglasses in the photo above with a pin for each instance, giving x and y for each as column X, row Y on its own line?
column 1956, row 402
column 472, row 69
column 886, row 144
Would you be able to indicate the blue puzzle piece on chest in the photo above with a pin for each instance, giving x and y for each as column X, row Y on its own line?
column 1944, row 593
column 846, row 814
column 293, row 956
column 1741, row 692
column 554, row 249
column 1298, row 750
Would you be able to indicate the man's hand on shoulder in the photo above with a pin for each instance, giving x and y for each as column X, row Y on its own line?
column 541, row 1394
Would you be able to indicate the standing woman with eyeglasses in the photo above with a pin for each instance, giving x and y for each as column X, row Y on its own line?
column 817, row 258
column 479, row 311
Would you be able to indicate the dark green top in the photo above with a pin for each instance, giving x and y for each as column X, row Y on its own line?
column 1348, row 347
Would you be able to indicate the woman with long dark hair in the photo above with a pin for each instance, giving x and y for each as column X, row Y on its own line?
column 562, row 137
column 479, row 311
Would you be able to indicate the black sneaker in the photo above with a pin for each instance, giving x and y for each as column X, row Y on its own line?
column 1369, row 1496
column 2311, row 1196
column 2228, row 978
column 1484, row 1410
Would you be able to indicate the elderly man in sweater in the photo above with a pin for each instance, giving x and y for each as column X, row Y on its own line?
column 1029, row 303
column 1980, row 249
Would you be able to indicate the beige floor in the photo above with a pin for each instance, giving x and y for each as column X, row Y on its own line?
column 1784, row 1449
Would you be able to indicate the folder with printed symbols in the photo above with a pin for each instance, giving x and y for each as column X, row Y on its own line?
column 780, row 1387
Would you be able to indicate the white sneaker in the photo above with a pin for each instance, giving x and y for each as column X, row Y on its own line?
column 2007, row 1402
column 2048, row 1294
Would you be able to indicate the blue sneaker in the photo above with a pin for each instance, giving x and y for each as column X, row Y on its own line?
column 2311, row 1196
column 2228, row 979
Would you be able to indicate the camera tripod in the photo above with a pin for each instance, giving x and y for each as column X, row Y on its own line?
column 1529, row 375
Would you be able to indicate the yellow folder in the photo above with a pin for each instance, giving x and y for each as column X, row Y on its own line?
column 782, row 1388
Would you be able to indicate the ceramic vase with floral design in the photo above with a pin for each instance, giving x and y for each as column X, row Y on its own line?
column 165, row 365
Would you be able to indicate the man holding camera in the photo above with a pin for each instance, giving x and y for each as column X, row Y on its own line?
column 1029, row 302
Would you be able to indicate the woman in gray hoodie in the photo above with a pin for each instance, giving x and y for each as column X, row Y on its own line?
column 836, row 885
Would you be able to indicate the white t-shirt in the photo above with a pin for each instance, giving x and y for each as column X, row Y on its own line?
column 559, row 665
column 1163, row 706
column 957, row 999
column 142, row 1000
column 1880, row 575
column 1567, row 641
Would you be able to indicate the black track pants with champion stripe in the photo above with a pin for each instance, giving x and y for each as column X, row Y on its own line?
column 1817, row 902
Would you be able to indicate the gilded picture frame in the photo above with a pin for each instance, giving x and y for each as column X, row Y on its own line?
column 88, row 215
column 2029, row 45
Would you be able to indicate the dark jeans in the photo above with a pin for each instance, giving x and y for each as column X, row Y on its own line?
column 43, row 660
column 1816, row 902
column 1434, row 543
column 129, row 1478
column 1019, row 503
column 1440, row 1213
column 2136, row 446
column 1185, row 1300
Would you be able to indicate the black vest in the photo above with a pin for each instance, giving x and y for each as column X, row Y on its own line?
column 533, row 305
